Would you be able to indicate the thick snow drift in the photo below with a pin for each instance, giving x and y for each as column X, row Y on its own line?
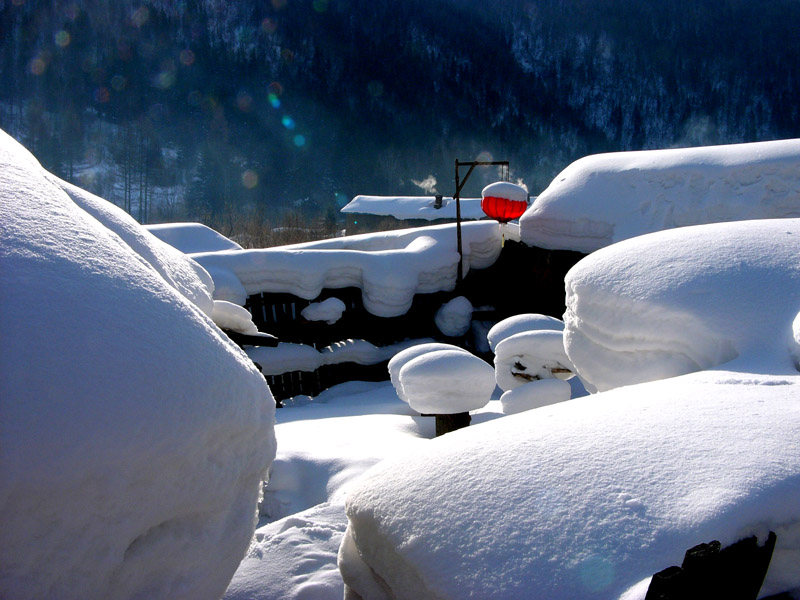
column 586, row 498
column 605, row 198
column 519, row 323
column 134, row 435
column 399, row 360
column 389, row 268
column 685, row 300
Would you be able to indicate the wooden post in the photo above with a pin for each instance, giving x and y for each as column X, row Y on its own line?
column 448, row 423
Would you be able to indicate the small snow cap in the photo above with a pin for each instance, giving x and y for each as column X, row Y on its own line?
column 504, row 189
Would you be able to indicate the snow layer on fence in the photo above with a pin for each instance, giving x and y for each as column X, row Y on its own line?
column 605, row 198
column 389, row 267
column 134, row 435
column 684, row 300
column 414, row 207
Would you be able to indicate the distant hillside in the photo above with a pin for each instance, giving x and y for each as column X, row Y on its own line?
column 203, row 104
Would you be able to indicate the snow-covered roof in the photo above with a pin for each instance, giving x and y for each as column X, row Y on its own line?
column 134, row 435
column 606, row 198
column 192, row 237
column 414, row 207
column 389, row 267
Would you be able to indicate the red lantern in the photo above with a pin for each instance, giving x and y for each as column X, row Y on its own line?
column 504, row 201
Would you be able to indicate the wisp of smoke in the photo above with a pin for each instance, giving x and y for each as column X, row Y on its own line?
column 427, row 185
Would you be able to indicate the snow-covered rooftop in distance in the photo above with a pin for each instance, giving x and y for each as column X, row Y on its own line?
column 606, row 198
column 414, row 207
column 192, row 237
column 389, row 267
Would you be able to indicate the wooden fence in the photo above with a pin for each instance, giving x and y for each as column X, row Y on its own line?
column 522, row 280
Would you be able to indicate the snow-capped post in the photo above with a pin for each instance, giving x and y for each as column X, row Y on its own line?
column 445, row 383
column 457, row 196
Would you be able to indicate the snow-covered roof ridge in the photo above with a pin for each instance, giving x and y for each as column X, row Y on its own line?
column 389, row 267
column 414, row 207
column 605, row 198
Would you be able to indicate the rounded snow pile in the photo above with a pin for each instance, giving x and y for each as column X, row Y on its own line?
column 454, row 317
column 504, row 189
column 685, row 300
column 399, row 360
column 447, row 382
column 531, row 355
column 134, row 434
column 519, row 323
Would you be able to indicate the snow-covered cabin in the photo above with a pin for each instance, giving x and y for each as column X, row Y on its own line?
column 375, row 213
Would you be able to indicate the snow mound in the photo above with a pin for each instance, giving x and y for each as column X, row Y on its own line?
column 134, row 434
column 519, row 323
column 329, row 310
column 446, row 382
column 399, row 360
column 606, row 198
column 535, row 394
column 586, row 498
column 454, row 317
column 531, row 355
column 389, row 268
column 685, row 300
column 192, row 237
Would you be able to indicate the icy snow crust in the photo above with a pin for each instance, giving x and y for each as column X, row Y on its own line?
column 684, row 300
column 414, row 207
column 606, row 198
column 389, row 268
column 134, row 435
column 586, row 498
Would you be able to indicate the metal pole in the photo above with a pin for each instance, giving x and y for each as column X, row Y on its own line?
column 459, row 275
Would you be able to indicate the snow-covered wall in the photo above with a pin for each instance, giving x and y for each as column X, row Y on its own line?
column 606, row 198
column 134, row 435
column 389, row 267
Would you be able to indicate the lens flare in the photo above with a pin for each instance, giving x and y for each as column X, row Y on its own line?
column 187, row 57
column 320, row 5
column 140, row 16
column 274, row 101
column 249, row 179
column 102, row 95
column 63, row 39
column 119, row 83
column 268, row 25
column 38, row 66
column 299, row 141
column 244, row 101
column 288, row 122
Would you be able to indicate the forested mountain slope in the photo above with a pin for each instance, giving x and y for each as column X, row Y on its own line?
column 270, row 103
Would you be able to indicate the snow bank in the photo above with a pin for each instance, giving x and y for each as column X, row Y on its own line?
column 446, row 382
column 454, row 317
column 606, row 198
column 134, row 434
column 192, row 237
column 686, row 300
column 586, row 498
column 389, row 267
column 414, row 207
column 518, row 324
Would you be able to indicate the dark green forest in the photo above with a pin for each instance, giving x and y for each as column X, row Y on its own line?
column 178, row 109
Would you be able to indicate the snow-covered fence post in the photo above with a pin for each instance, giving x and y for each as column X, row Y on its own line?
column 442, row 381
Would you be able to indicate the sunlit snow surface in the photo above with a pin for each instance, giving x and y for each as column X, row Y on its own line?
column 414, row 207
column 133, row 434
column 588, row 498
column 606, row 198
